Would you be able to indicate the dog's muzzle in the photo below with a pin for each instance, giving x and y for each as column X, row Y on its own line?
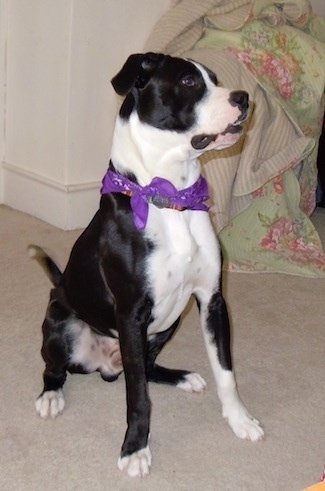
column 237, row 98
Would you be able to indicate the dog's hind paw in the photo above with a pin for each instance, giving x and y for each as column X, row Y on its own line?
column 50, row 404
column 137, row 464
column 193, row 382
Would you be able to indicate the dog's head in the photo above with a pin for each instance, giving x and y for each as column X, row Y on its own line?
column 182, row 96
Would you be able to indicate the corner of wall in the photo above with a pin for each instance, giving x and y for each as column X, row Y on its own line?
column 66, row 207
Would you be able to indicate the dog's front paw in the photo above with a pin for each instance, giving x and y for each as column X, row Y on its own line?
column 50, row 404
column 193, row 382
column 137, row 464
column 242, row 423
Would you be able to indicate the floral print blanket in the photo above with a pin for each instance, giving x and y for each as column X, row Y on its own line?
column 282, row 45
column 263, row 189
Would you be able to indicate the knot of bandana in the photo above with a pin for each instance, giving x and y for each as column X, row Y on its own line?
column 160, row 192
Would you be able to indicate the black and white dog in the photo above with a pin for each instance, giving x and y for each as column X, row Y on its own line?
column 147, row 250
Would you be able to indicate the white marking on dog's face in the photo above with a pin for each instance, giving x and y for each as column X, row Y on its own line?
column 216, row 113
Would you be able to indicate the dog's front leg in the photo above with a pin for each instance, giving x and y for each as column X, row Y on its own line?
column 135, row 458
column 216, row 330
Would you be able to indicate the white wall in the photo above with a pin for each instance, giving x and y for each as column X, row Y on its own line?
column 60, row 106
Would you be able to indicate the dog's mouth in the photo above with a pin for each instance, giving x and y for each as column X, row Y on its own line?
column 225, row 139
column 220, row 140
column 199, row 142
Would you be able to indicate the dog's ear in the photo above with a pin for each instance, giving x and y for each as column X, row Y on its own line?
column 135, row 72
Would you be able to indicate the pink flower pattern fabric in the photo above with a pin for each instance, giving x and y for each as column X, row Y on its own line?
column 282, row 44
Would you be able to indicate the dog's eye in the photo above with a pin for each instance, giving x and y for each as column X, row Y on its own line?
column 188, row 81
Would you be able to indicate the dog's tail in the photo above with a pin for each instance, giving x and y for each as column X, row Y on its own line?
column 46, row 262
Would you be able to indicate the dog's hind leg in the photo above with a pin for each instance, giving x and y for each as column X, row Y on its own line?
column 216, row 330
column 183, row 379
column 55, row 352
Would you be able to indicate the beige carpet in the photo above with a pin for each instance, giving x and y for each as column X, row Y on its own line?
column 279, row 354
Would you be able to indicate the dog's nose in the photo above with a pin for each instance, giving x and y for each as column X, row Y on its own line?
column 239, row 98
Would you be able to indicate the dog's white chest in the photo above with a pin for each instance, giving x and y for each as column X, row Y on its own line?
column 185, row 260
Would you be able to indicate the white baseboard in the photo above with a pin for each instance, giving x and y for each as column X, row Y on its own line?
column 64, row 206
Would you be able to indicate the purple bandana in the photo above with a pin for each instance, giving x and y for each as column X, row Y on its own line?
column 159, row 192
